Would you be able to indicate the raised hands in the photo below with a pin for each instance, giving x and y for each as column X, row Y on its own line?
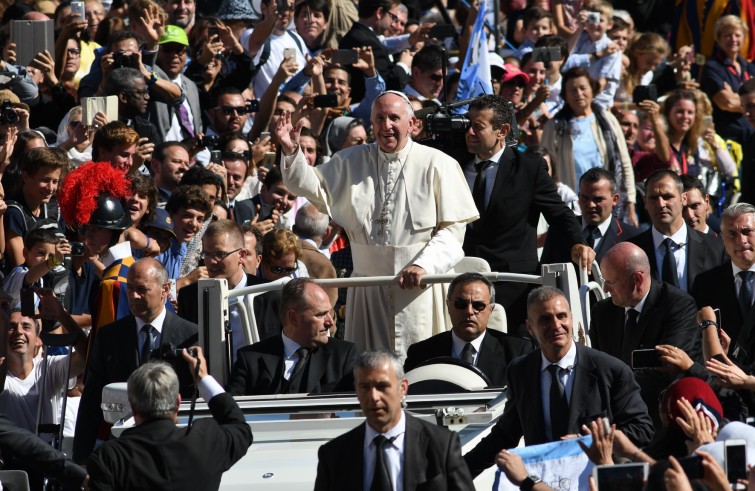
column 288, row 135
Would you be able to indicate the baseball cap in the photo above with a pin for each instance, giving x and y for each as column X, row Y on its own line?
column 174, row 34
column 513, row 72
column 162, row 221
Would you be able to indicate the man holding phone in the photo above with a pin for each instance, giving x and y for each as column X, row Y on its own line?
column 642, row 313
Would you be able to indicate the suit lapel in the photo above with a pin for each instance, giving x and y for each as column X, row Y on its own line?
column 131, row 342
column 645, row 241
column 644, row 320
column 415, row 453
column 695, row 255
column 351, row 469
column 584, row 380
column 317, row 364
column 613, row 331
column 273, row 360
column 491, row 356
column 532, row 375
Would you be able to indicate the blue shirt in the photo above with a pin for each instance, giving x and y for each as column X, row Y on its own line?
column 584, row 148
column 172, row 258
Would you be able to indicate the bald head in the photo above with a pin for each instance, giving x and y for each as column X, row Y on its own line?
column 149, row 267
column 148, row 289
column 628, row 258
column 626, row 271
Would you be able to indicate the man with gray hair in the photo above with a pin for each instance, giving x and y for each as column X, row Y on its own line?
column 311, row 226
column 156, row 454
column 555, row 390
column 390, row 443
column 404, row 212
column 729, row 287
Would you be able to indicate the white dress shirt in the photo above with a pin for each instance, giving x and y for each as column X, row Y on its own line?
column 490, row 172
column 157, row 324
column 458, row 346
column 567, row 363
column 680, row 253
column 393, row 454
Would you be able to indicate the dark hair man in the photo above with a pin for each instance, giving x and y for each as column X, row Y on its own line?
column 677, row 252
column 538, row 405
column 303, row 358
column 470, row 301
column 169, row 457
column 390, row 443
column 505, row 235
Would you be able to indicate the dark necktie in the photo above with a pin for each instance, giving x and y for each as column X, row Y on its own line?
column 183, row 119
column 630, row 328
column 467, row 354
column 745, row 293
column 592, row 234
column 559, row 406
column 381, row 478
column 296, row 375
column 147, row 345
column 231, row 213
column 478, row 192
column 669, row 272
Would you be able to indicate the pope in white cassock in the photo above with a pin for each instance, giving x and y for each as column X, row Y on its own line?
column 405, row 208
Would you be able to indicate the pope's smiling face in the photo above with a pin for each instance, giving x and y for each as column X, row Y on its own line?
column 392, row 121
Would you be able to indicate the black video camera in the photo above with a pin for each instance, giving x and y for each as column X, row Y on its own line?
column 169, row 352
column 8, row 115
column 442, row 121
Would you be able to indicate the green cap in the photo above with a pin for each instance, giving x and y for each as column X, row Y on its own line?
column 174, row 34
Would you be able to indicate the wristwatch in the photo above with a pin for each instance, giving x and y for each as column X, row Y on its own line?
column 529, row 482
column 707, row 323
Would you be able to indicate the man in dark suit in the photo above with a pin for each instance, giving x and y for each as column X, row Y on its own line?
column 155, row 454
column 121, row 347
column 511, row 189
column 555, row 390
column 598, row 196
column 729, row 286
column 375, row 16
column 470, row 301
column 390, row 441
column 224, row 255
column 301, row 359
column 642, row 313
column 696, row 212
column 311, row 226
column 677, row 253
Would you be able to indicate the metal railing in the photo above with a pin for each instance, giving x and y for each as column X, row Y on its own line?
column 215, row 301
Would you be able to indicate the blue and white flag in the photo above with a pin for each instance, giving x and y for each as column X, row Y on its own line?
column 475, row 74
column 561, row 465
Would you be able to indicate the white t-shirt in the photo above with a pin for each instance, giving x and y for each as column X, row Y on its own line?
column 277, row 46
column 20, row 399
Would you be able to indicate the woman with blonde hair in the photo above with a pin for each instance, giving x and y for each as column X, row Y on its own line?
column 696, row 149
column 724, row 73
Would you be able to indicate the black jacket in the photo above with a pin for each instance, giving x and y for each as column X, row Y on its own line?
column 497, row 350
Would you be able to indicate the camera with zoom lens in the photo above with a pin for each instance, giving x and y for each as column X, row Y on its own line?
column 122, row 60
column 211, row 142
column 8, row 115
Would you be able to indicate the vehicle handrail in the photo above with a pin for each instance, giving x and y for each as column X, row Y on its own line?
column 381, row 281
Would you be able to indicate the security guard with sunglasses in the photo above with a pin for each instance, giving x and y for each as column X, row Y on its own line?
column 470, row 301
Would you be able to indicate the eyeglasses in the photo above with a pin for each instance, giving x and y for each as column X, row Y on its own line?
column 229, row 110
column 477, row 305
column 142, row 94
column 394, row 18
column 217, row 255
column 74, row 124
column 612, row 284
column 286, row 271
column 435, row 77
column 74, row 52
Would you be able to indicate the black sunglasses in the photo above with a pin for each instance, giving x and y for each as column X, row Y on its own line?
column 477, row 305
column 229, row 110
column 286, row 271
column 436, row 77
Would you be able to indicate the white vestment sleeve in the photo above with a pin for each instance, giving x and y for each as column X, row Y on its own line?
column 444, row 250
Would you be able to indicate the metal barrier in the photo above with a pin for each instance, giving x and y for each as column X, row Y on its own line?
column 587, row 287
column 215, row 300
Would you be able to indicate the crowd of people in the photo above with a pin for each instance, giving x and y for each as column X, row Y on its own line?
column 154, row 144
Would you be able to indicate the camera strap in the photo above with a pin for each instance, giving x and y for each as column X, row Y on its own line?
column 194, row 396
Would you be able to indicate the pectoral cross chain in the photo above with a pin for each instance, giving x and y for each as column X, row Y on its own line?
column 381, row 222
